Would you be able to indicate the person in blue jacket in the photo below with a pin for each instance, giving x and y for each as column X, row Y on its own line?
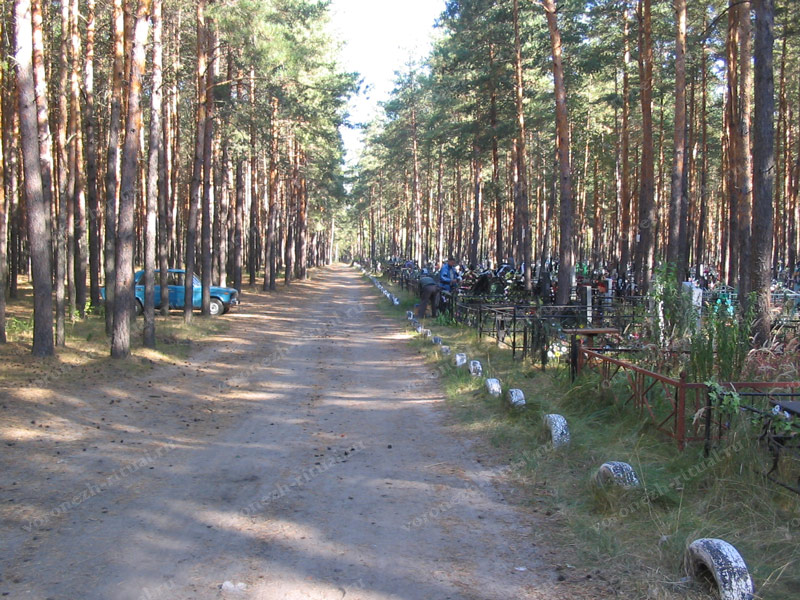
column 448, row 276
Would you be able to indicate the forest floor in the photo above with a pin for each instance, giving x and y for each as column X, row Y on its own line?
column 304, row 453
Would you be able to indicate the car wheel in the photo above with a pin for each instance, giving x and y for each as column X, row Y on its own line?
column 138, row 308
column 216, row 307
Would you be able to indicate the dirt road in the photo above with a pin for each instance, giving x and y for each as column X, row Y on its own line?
column 302, row 456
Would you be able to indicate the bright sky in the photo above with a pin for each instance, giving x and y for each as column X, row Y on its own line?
column 380, row 37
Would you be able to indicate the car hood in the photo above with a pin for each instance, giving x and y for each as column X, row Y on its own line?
column 215, row 289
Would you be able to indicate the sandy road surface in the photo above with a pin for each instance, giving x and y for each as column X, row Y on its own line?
column 302, row 456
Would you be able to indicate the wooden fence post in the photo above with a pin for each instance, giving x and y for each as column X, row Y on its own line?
column 680, row 412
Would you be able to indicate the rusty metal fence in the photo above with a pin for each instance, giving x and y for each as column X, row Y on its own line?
column 681, row 409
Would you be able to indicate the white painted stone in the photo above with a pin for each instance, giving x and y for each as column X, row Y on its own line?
column 419, row 328
column 410, row 315
column 618, row 473
column 559, row 430
column 475, row 368
column 516, row 398
column 493, row 387
column 436, row 340
column 461, row 359
column 229, row 586
column 726, row 565
column 426, row 333
column 445, row 350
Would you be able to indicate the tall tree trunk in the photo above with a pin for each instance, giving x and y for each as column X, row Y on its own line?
column 415, row 188
column 123, row 305
column 272, row 192
column 496, row 192
column 791, row 176
column 744, row 165
column 548, row 206
column 596, row 222
column 795, row 185
column 163, row 202
column 222, row 204
column 254, row 230
column 565, row 248
column 647, row 208
column 291, row 202
column 173, row 154
column 701, row 224
column 38, row 231
column 42, row 109
column 301, row 251
column 3, row 203
column 63, row 182
column 677, row 192
column 460, row 227
column 72, row 181
column 477, row 204
column 195, row 188
column 10, row 137
column 218, row 221
column 764, row 166
column 112, row 160
column 76, row 164
column 238, row 226
column 733, row 138
column 662, row 206
column 686, row 228
column 783, row 227
column 45, row 138
column 625, row 193
column 332, row 253
column 520, row 170
column 440, row 257
column 208, row 134
column 154, row 152
column 90, row 133
column 579, row 243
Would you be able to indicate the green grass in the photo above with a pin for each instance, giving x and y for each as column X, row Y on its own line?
column 641, row 533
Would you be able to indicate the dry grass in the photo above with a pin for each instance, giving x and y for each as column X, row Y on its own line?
column 87, row 346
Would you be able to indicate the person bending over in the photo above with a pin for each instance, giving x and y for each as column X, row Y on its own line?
column 429, row 291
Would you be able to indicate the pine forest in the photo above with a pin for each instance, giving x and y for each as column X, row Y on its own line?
column 611, row 137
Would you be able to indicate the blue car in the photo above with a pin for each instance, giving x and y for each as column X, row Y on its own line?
column 222, row 298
